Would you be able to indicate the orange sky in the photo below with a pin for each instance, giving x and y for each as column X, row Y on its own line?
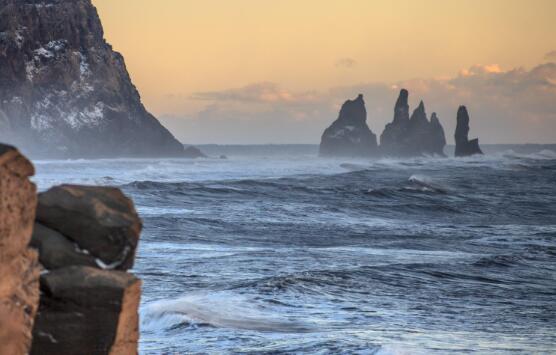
column 176, row 48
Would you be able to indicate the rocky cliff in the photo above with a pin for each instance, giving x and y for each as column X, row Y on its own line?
column 349, row 135
column 464, row 146
column 412, row 136
column 64, row 91
column 19, row 267
column 86, row 237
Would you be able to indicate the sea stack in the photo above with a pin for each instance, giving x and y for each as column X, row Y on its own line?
column 464, row 146
column 409, row 136
column 64, row 92
column 349, row 135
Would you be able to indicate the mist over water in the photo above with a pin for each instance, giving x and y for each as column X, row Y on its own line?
column 274, row 250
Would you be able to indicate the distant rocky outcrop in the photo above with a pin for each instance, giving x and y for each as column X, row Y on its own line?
column 464, row 146
column 409, row 136
column 193, row 153
column 64, row 92
column 349, row 135
column 86, row 237
column 19, row 267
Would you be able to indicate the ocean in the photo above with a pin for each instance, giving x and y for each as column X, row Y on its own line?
column 274, row 250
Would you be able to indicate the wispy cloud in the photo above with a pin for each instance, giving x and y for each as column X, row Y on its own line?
column 346, row 63
column 265, row 92
column 550, row 55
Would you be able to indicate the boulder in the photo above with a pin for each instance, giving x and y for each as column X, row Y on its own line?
column 412, row 136
column 86, row 310
column 464, row 146
column 57, row 251
column 349, row 135
column 19, row 267
column 101, row 221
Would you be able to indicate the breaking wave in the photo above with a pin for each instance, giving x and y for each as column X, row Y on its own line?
column 218, row 309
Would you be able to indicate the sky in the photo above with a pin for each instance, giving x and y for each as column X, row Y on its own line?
column 277, row 71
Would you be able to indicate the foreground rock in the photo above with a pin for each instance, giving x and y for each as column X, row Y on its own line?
column 82, row 233
column 64, row 92
column 409, row 136
column 101, row 221
column 87, row 311
column 464, row 146
column 19, row 268
column 57, row 251
column 349, row 135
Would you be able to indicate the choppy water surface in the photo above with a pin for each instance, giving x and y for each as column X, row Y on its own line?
column 281, row 252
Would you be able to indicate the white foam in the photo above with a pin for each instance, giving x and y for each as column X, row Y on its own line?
column 218, row 309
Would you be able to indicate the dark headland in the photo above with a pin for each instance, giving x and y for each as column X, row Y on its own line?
column 64, row 92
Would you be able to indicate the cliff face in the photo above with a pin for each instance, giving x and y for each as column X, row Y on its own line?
column 349, row 135
column 412, row 136
column 64, row 91
column 19, row 267
column 464, row 146
column 86, row 238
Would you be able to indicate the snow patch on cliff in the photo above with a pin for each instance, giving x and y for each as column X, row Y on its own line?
column 57, row 45
column 40, row 120
column 84, row 69
column 89, row 117
column 42, row 5
column 342, row 132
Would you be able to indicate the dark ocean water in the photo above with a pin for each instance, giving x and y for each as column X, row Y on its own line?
column 277, row 251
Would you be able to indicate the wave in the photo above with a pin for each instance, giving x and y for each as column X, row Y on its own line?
column 425, row 184
column 417, row 183
column 218, row 309
column 499, row 261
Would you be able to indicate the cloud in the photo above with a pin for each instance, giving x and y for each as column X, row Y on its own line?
column 550, row 55
column 346, row 63
column 478, row 69
column 265, row 92
column 506, row 106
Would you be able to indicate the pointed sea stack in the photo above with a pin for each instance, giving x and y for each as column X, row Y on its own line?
column 412, row 136
column 349, row 135
column 64, row 92
column 438, row 140
column 464, row 146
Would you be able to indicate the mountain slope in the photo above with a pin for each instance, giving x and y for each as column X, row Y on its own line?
column 64, row 91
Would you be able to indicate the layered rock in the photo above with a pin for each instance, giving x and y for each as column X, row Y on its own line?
column 85, row 310
column 56, row 251
column 349, row 135
column 86, row 237
column 64, row 91
column 19, row 268
column 464, row 146
column 100, row 220
column 412, row 136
